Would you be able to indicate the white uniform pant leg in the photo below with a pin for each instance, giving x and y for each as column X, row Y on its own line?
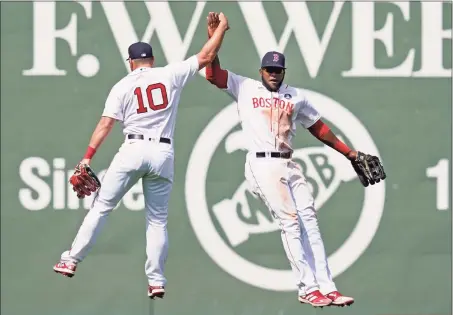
column 156, row 202
column 311, row 236
column 123, row 172
column 268, row 178
column 157, row 187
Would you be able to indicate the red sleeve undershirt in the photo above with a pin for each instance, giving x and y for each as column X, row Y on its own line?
column 322, row 132
column 216, row 75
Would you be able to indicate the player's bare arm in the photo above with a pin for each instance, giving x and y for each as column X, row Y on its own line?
column 212, row 46
column 84, row 179
column 214, row 73
column 101, row 132
column 324, row 134
column 368, row 167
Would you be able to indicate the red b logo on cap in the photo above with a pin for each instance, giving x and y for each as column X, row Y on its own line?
column 275, row 58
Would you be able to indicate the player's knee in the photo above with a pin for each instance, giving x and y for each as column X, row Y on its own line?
column 103, row 206
column 157, row 219
column 308, row 213
column 290, row 225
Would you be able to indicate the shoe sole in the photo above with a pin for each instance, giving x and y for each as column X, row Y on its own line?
column 314, row 305
column 158, row 293
column 348, row 303
column 64, row 272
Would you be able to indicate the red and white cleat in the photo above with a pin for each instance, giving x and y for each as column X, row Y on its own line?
column 340, row 300
column 65, row 268
column 154, row 292
column 316, row 299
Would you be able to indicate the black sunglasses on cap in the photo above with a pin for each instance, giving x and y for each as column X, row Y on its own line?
column 276, row 70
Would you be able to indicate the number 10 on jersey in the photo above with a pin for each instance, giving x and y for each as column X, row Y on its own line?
column 157, row 88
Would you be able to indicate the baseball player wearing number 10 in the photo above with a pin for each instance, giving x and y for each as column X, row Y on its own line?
column 145, row 101
column 269, row 111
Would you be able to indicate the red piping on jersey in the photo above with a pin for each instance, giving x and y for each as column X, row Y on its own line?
column 216, row 75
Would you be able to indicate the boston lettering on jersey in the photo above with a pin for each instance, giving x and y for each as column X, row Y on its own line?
column 272, row 102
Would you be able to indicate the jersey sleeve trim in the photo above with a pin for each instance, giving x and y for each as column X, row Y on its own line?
column 194, row 65
column 312, row 122
column 234, row 84
column 110, row 115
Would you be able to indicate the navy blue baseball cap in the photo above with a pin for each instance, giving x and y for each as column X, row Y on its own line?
column 140, row 50
column 273, row 59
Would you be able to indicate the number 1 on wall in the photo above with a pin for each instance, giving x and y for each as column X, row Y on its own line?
column 440, row 173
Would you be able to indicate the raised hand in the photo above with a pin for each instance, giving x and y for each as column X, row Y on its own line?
column 213, row 23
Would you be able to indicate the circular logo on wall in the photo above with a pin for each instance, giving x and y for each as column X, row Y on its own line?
column 223, row 129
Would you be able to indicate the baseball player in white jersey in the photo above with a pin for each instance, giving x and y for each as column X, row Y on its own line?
column 146, row 102
column 269, row 111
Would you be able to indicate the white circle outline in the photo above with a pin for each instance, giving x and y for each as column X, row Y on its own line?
column 234, row 264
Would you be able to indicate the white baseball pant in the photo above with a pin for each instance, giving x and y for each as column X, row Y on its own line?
column 285, row 191
column 152, row 161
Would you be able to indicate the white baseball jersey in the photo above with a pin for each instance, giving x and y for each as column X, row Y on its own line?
column 146, row 100
column 269, row 118
column 269, row 122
